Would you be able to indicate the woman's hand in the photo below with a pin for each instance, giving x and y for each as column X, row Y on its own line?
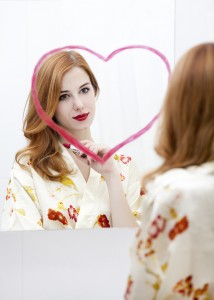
column 120, row 210
column 105, row 169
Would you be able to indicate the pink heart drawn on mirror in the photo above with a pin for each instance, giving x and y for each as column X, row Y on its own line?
column 68, row 136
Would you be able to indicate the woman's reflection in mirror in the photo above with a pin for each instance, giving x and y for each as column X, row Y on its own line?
column 53, row 185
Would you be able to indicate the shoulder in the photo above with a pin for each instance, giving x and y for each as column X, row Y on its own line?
column 126, row 164
column 190, row 190
column 191, row 177
column 22, row 167
column 23, row 161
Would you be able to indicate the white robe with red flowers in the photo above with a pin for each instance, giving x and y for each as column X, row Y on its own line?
column 172, row 257
column 35, row 203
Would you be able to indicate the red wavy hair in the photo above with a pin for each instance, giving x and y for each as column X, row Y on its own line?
column 43, row 148
column 186, row 132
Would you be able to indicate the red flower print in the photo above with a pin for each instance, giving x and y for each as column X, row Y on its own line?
column 128, row 288
column 8, row 192
column 73, row 213
column 157, row 226
column 125, row 159
column 103, row 221
column 200, row 292
column 142, row 192
column 185, row 287
column 179, row 227
column 57, row 216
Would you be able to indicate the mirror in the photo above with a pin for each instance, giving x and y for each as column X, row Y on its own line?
column 35, row 30
column 132, row 84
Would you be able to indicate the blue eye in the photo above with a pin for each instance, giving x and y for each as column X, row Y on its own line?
column 64, row 97
column 85, row 90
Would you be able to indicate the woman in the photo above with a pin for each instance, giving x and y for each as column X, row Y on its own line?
column 173, row 252
column 54, row 186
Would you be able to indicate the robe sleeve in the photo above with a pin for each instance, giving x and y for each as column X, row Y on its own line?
column 134, row 193
column 21, row 209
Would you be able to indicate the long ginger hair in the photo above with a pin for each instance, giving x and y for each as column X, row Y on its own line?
column 43, row 148
column 186, row 131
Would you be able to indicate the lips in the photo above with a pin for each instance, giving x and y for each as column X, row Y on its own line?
column 81, row 117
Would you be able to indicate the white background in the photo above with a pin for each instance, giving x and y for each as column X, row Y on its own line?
column 132, row 85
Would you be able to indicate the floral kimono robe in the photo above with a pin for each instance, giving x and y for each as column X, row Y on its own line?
column 173, row 253
column 35, row 203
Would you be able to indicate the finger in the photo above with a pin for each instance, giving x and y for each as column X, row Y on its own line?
column 76, row 151
column 79, row 153
column 89, row 145
column 93, row 148
column 99, row 149
column 86, row 142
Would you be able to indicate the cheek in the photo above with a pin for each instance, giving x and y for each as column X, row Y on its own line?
column 57, row 112
column 92, row 102
column 60, row 110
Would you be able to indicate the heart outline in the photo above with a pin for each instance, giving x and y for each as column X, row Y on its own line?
column 68, row 136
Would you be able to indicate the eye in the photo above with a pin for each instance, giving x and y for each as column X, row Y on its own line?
column 84, row 90
column 64, row 97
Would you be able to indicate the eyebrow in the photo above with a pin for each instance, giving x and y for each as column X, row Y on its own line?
column 67, row 91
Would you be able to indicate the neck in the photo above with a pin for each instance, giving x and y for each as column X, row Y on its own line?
column 79, row 135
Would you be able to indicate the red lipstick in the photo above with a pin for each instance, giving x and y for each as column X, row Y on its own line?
column 82, row 117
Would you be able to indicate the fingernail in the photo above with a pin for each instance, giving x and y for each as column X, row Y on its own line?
column 76, row 151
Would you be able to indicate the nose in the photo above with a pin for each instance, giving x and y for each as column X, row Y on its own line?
column 77, row 104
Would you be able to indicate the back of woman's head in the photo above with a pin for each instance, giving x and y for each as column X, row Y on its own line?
column 186, row 133
column 43, row 147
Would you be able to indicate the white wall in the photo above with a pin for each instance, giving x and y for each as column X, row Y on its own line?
column 194, row 23
column 68, row 265
column 132, row 96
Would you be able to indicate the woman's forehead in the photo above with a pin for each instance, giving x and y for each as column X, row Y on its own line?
column 74, row 78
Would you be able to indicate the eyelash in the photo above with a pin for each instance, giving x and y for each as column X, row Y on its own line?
column 84, row 90
column 64, row 97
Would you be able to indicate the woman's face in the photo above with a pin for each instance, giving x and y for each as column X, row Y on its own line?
column 76, row 108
